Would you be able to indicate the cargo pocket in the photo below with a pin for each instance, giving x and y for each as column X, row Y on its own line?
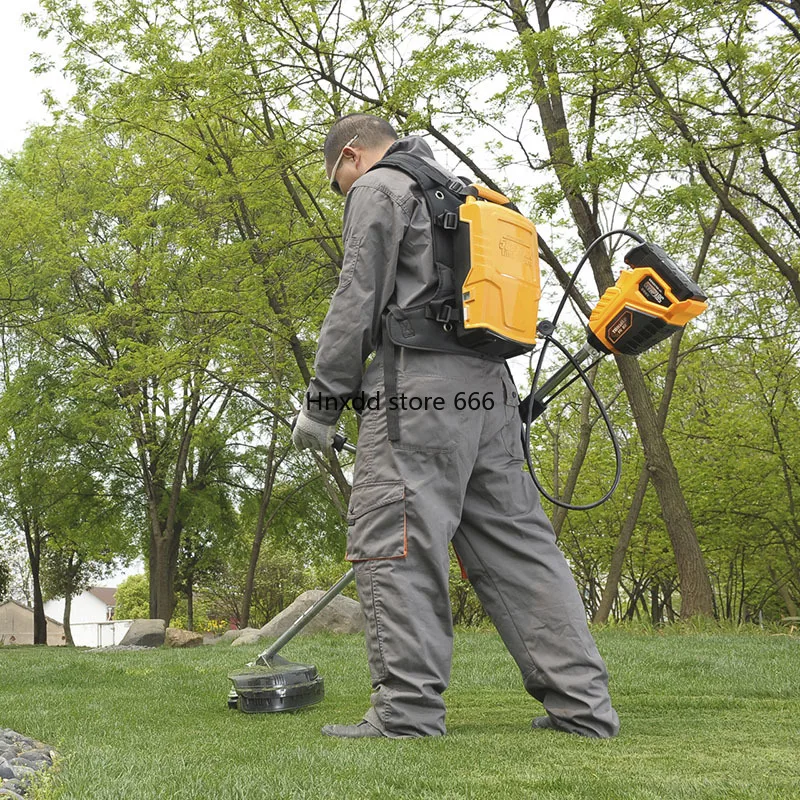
column 377, row 522
column 511, row 432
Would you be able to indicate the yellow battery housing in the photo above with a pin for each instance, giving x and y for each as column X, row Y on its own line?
column 640, row 310
column 497, row 266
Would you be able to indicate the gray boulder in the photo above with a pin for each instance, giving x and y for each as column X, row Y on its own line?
column 341, row 615
column 145, row 633
column 246, row 636
column 228, row 637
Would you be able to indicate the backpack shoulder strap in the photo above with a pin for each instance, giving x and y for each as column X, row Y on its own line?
column 424, row 173
column 443, row 197
column 443, row 194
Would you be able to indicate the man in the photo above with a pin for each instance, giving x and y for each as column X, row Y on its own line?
column 431, row 470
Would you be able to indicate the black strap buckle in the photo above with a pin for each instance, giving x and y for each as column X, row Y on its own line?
column 449, row 220
column 444, row 314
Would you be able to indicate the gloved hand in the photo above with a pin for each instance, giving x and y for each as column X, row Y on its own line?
column 314, row 435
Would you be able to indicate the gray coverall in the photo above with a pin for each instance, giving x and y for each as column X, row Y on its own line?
column 454, row 476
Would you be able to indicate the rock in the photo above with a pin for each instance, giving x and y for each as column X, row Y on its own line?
column 247, row 636
column 341, row 615
column 145, row 633
column 37, row 756
column 20, row 759
column 13, row 789
column 228, row 637
column 177, row 637
column 22, row 770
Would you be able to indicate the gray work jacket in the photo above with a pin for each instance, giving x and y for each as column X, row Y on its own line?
column 388, row 257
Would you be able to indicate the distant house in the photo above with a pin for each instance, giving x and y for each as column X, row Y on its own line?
column 91, row 618
column 16, row 625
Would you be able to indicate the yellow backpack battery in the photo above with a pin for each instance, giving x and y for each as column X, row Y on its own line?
column 487, row 257
column 497, row 267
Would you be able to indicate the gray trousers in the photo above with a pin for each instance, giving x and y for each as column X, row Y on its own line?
column 456, row 476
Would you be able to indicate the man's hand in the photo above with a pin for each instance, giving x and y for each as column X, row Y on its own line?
column 314, row 435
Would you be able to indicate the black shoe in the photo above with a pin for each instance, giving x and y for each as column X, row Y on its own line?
column 546, row 723
column 363, row 730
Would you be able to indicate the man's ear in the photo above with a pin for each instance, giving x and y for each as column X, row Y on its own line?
column 353, row 154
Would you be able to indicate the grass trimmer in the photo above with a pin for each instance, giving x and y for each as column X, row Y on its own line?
column 272, row 683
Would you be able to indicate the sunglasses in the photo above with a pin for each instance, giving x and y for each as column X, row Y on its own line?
column 332, row 180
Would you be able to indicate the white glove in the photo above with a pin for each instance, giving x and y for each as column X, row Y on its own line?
column 310, row 434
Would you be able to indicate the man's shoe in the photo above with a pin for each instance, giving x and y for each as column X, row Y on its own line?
column 546, row 723
column 363, row 730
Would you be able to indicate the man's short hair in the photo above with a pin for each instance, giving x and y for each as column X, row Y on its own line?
column 372, row 132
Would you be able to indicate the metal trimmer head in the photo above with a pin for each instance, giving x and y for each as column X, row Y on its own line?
column 278, row 685
column 272, row 683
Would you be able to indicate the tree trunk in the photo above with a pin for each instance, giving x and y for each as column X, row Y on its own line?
column 67, row 625
column 618, row 556
column 696, row 595
column 261, row 526
column 163, row 568
column 586, row 427
column 39, row 618
column 783, row 592
column 34, row 544
column 189, row 603
column 255, row 554
column 788, row 601
column 546, row 81
column 165, row 529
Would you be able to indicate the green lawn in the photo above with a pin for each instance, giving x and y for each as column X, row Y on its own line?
column 703, row 716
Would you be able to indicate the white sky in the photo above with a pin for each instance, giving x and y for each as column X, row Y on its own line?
column 20, row 90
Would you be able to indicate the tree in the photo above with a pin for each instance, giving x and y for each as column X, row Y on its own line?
column 5, row 580
column 140, row 333
column 220, row 125
column 204, row 122
column 133, row 598
column 733, row 63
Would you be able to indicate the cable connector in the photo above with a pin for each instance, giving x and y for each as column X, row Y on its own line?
column 545, row 328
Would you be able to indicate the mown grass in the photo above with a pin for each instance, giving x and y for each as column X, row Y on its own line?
column 704, row 715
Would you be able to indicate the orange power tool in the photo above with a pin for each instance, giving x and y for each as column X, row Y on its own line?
column 649, row 302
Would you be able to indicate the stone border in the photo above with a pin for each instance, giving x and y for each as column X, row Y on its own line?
column 20, row 759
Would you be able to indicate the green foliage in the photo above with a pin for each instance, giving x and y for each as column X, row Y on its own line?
column 204, row 617
column 133, row 598
column 467, row 609
column 167, row 250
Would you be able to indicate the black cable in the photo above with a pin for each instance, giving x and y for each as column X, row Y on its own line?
column 546, row 330
column 612, row 434
column 572, row 380
column 621, row 231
